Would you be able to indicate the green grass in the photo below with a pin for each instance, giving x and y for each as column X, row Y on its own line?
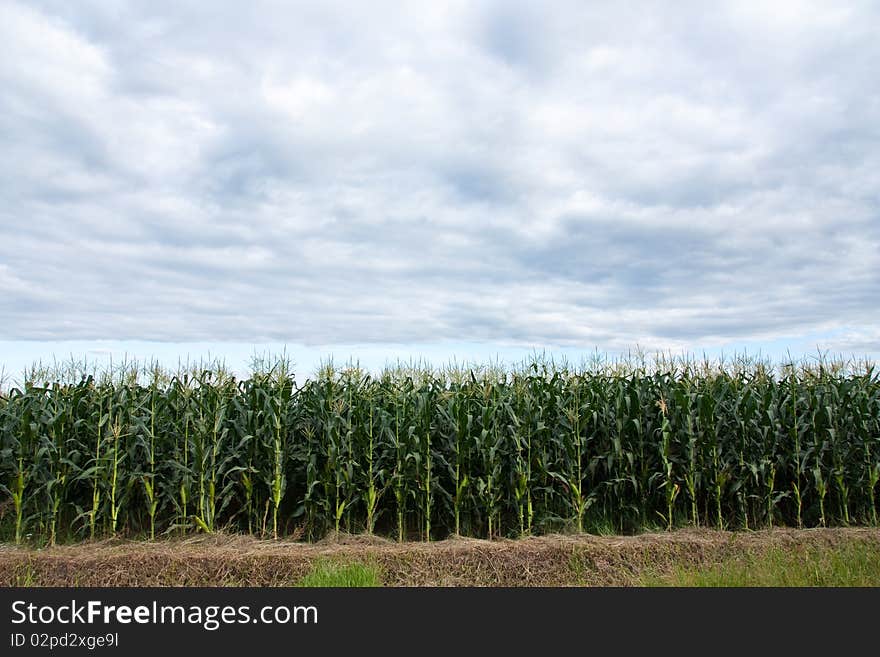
column 26, row 577
column 331, row 574
column 853, row 564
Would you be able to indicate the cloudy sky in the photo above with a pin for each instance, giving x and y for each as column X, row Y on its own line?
column 456, row 178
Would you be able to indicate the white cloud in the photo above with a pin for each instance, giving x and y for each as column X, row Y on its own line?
column 502, row 172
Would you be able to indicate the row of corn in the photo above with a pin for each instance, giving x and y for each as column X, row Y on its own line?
column 422, row 454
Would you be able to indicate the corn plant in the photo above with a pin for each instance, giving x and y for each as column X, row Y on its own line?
column 473, row 451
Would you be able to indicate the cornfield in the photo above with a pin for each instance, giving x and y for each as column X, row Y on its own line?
column 416, row 453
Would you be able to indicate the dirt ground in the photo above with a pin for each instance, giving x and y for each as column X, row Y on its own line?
column 558, row 560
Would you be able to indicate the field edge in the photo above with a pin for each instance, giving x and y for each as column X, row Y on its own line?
column 555, row 560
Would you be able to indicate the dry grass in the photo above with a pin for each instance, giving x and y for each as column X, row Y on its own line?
column 560, row 560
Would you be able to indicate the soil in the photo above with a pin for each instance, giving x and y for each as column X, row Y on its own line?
column 556, row 560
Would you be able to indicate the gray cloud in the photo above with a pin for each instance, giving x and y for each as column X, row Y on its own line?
column 514, row 173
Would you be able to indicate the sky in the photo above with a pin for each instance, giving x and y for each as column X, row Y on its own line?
column 434, row 180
